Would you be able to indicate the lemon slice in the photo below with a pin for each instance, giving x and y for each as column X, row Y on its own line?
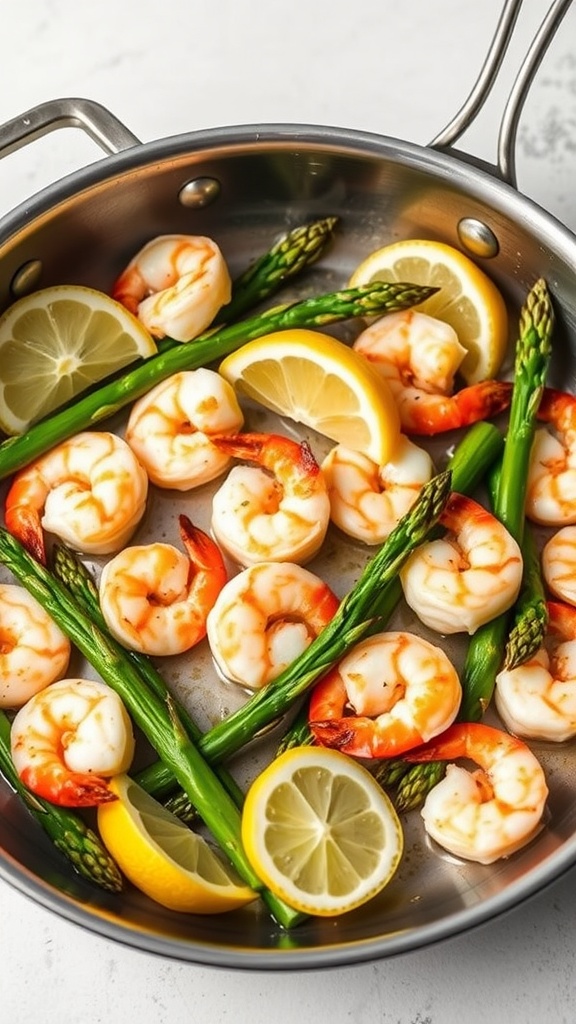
column 55, row 343
column 161, row 856
column 321, row 382
column 320, row 832
column 468, row 299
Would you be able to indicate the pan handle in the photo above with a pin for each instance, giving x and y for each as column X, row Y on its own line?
column 506, row 148
column 105, row 129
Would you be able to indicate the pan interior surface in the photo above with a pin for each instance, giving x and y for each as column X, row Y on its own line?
column 245, row 188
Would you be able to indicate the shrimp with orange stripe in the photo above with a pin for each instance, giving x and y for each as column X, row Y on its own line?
column 155, row 598
column 419, row 356
column 538, row 698
column 89, row 491
column 390, row 693
column 275, row 507
column 264, row 618
column 459, row 582
column 170, row 428
column 69, row 738
column 551, row 487
column 492, row 811
column 175, row 285
column 367, row 500
column 33, row 650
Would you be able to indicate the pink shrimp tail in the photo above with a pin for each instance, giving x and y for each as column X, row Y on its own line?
column 23, row 522
column 274, row 451
column 561, row 620
column 557, row 407
column 208, row 570
column 476, row 402
column 129, row 289
column 68, row 789
column 460, row 508
column 463, row 739
column 356, row 735
column 202, row 551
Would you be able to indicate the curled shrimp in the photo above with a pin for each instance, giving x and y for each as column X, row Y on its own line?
column 277, row 510
column 559, row 564
column 155, row 599
column 90, row 491
column 551, row 486
column 367, row 500
column 264, row 618
column 175, row 285
column 463, row 580
column 538, row 699
column 392, row 692
column 33, row 650
column 418, row 356
column 493, row 811
column 169, row 428
column 69, row 738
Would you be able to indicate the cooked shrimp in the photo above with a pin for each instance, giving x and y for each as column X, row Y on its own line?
column 90, row 491
column 367, row 500
column 169, row 428
column 155, row 599
column 392, row 692
column 418, row 356
column 275, row 511
column 175, row 285
column 264, row 618
column 69, row 738
column 493, row 811
column 538, row 699
column 459, row 582
column 33, row 651
column 559, row 564
column 551, row 489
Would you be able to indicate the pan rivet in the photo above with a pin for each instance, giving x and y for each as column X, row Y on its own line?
column 26, row 278
column 478, row 238
column 199, row 192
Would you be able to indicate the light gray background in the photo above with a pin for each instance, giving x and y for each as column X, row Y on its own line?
column 403, row 70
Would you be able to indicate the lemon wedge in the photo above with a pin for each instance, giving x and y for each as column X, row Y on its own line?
column 57, row 342
column 468, row 299
column 314, row 379
column 320, row 832
column 163, row 858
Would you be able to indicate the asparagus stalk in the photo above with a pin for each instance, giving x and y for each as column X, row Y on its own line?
column 155, row 717
column 107, row 399
column 70, row 835
column 295, row 251
column 531, row 611
column 408, row 784
column 533, row 351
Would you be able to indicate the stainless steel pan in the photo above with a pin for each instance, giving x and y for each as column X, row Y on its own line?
column 245, row 186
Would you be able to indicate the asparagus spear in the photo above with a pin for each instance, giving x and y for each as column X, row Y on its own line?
column 409, row 784
column 296, row 250
column 156, row 718
column 113, row 395
column 533, row 351
column 531, row 611
column 70, row 835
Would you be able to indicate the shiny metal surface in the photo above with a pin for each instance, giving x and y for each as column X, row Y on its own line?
column 84, row 229
column 271, row 177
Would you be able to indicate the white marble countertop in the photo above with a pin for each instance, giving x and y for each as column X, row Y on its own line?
column 402, row 70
